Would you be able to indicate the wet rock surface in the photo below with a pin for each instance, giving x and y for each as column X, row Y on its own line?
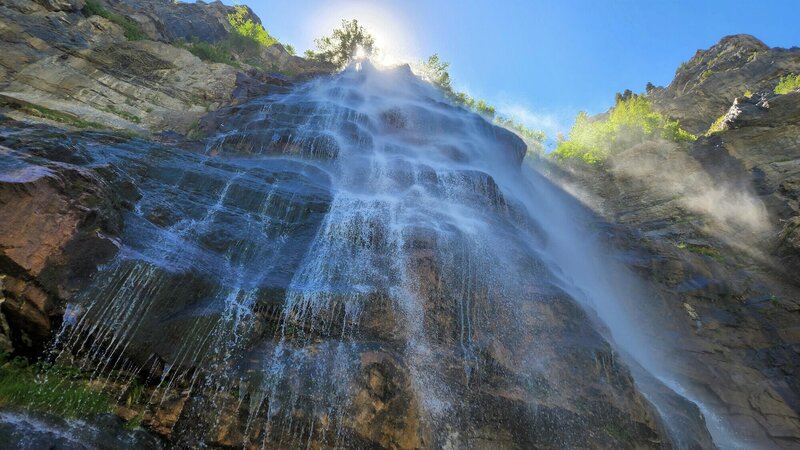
column 60, row 221
column 30, row 431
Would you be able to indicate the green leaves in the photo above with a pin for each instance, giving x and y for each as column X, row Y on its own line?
column 242, row 22
column 788, row 84
column 436, row 71
column 631, row 120
column 55, row 389
column 343, row 44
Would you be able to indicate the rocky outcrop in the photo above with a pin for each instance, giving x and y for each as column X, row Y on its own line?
column 706, row 85
column 168, row 21
column 61, row 66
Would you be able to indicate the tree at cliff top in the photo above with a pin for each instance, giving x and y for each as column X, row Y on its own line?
column 436, row 71
column 343, row 44
column 630, row 121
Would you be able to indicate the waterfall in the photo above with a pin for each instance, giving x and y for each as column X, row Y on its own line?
column 358, row 262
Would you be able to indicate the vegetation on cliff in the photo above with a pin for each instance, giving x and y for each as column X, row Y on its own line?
column 48, row 388
column 132, row 30
column 631, row 120
column 437, row 72
column 244, row 44
column 788, row 84
column 245, row 27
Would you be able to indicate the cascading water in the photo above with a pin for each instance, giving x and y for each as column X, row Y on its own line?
column 359, row 263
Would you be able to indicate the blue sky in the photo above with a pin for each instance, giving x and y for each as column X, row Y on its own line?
column 542, row 61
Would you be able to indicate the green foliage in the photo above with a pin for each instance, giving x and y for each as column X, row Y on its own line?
column 58, row 116
column 716, row 126
column 132, row 30
column 706, row 73
column 290, row 49
column 244, row 44
column 218, row 52
column 54, row 389
column 533, row 138
column 748, row 93
column 436, row 71
column 788, row 84
column 341, row 46
column 135, row 423
column 631, row 120
column 700, row 250
column 124, row 114
column 243, row 24
column 522, row 130
column 485, row 109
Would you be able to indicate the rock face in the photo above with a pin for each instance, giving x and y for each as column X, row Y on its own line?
column 59, row 223
column 714, row 226
column 705, row 86
column 85, row 72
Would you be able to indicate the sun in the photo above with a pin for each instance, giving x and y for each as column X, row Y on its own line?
column 392, row 37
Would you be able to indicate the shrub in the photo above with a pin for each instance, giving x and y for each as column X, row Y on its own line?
column 340, row 47
column 631, row 120
column 216, row 53
column 436, row 71
column 717, row 125
column 700, row 250
column 244, row 43
column 788, row 84
column 54, row 389
column 58, row 116
column 243, row 24
column 132, row 30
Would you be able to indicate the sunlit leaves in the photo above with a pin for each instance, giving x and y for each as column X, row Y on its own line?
column 788, row 84
column 631, row 120
column 242, row 22
column 340, row 47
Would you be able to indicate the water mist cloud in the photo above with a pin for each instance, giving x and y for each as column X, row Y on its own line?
column 733, row 212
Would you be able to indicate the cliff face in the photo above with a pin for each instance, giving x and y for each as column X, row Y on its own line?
column 706, row 85
column 714, row 226
column 60, row 65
